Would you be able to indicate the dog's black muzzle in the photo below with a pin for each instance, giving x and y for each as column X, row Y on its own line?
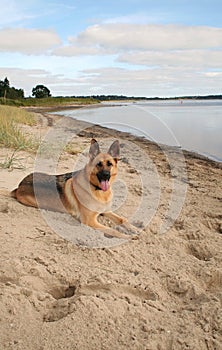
column 103, row 175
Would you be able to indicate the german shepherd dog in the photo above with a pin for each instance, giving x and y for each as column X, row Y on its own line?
column 85, row 194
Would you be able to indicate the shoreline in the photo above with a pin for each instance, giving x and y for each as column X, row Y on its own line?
column 187, row 153
column 143, row 140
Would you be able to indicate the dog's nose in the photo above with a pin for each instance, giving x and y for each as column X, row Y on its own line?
column 105, row 175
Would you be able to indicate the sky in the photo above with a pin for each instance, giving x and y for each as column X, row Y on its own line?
column 126, row 47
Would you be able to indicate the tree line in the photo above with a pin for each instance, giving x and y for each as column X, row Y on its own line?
column 7, row 91
column 10, row 92
column 122, row 97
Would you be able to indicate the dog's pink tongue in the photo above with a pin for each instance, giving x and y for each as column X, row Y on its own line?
column 104, row 185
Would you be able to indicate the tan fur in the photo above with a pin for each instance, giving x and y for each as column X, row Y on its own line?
column 80, row 193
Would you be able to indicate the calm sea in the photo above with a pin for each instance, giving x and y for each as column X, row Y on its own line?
column 192, row 125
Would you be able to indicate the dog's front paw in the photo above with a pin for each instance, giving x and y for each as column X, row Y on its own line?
column 128, row 229
column 123, row 220
column 111, row 233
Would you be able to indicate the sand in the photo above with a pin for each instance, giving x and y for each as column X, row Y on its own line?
column 64, row 286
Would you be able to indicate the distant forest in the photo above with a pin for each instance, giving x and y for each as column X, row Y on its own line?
column 121, row 97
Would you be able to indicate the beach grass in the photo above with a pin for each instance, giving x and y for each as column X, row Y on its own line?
column 12, row 161
column 49, row 101
column 11, row 132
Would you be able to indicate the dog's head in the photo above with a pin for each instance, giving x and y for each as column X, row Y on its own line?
column 102, row 167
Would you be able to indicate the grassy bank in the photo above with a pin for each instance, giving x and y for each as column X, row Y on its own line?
column 48, row 102
column 11, row 132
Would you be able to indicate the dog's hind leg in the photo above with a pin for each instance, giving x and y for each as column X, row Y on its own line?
column 25, row 198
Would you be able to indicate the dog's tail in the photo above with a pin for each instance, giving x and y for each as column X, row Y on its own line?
column 7, row 193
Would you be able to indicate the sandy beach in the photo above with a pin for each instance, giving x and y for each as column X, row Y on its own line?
column 63, row 286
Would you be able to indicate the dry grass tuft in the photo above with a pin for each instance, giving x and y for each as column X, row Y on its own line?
column 11, row 133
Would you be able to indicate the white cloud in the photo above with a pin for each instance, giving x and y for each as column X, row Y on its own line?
column 123, row 39
column 187, row 58
column 177, row 52
column 28, row 41
column 176, row 59
column 213, row 74
column 171, row 81
column 149, row 37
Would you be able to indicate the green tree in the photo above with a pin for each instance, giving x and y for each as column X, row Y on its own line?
column 14, row 93
column 10, row 92
column 40, row 91
column 6, row 83
column 4, row 87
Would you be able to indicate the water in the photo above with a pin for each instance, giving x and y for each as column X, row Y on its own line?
column 192, row 125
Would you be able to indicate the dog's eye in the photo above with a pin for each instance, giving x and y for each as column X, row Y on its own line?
column 99, row 165
column 109, row 163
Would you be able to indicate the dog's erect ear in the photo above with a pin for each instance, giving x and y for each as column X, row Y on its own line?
column 94, row 149
column 114, row 150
